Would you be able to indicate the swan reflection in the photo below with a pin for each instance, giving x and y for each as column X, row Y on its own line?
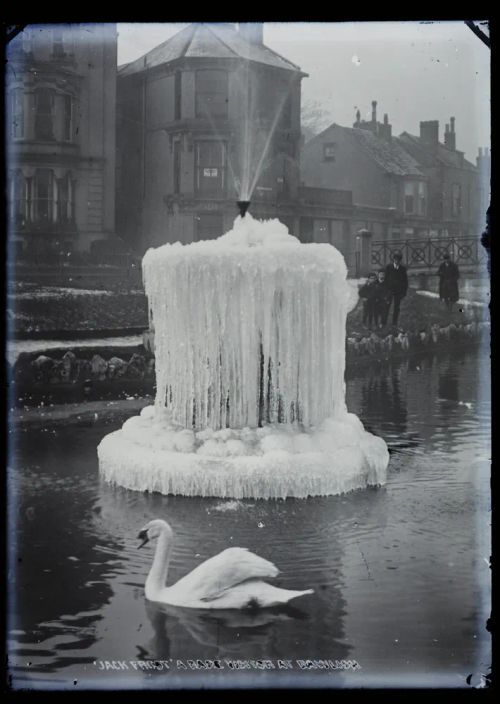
column 234, row 631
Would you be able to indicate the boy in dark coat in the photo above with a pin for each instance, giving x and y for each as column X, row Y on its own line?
column 368, row 292
column 396, row 280
column 448, row 281
column 382, row 300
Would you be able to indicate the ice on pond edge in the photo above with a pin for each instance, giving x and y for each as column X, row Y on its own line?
column 273, row 462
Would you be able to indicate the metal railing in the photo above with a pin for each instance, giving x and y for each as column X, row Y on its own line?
column 428, row 254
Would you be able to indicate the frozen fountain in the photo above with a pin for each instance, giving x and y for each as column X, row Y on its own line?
column 250, row 361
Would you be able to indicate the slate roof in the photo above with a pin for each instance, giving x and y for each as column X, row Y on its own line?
column 427, row 157
column 208, row 41
column 389, row 155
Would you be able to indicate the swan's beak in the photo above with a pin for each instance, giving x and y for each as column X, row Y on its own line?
column 143, row 535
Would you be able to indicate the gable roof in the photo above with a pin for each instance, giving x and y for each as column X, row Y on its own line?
column 388, row 155
column 208, row 41
column 428, row 157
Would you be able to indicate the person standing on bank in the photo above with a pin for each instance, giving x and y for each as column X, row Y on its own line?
column 396, row 280
column 448, row 281
column 383, row 300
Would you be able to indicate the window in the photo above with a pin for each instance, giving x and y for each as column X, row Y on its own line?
column 209, row 226
column 210, row 168
column 64, row 210
column 321, row 231
column 177, row 166
column 422, row 198
column 211, row 93
column 409, row 198
column 44, row 196
column 44, row 102
column 20, row 199
column 57, row 41
column 178, row 95
column 456, row 199
column 329, row 151
column 17, row 113
column 306, row 228
column 68, row 118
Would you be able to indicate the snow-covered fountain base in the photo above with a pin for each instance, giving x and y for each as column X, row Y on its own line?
column 250, row 360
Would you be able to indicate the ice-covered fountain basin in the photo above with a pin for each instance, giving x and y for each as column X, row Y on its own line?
column 250, row 360
column 150, row 453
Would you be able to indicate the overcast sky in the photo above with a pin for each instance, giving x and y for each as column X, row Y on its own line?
column 416, row 71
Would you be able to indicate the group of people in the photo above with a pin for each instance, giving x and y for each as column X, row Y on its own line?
column 383, row 289
column 390, row 285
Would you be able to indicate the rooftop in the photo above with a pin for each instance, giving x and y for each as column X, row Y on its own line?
column 427, row 156
column 388, row 154
column 208, row 41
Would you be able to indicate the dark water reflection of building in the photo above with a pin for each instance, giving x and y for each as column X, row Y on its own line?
column 383, row 388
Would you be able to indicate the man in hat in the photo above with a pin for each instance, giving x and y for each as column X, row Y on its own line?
column 396, row 280
column 448, row 281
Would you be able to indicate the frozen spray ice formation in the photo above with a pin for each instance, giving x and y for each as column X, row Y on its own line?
column 250, row 360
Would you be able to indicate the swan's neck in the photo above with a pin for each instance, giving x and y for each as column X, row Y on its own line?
column 158, row 573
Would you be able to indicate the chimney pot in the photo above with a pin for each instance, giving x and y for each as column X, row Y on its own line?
column 452, row 124
column 386, row 119
column 252, row 31
column 374, row 111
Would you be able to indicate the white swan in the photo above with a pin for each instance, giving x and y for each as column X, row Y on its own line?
column 230, row 580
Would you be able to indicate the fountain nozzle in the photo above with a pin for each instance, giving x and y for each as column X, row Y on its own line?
column 243, row 206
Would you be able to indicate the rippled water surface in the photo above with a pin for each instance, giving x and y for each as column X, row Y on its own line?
column 400, row 573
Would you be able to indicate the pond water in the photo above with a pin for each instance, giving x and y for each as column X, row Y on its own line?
column 400, row 573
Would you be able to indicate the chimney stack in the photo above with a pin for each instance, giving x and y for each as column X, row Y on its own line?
column 449, row 135
column 252, row 31
column 429, row 132
column 374, row 111
column 385, row 129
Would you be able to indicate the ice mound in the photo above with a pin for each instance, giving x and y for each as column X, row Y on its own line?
column 250, row 360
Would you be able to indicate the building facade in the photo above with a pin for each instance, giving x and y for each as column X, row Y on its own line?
column 61, row 83
column 453, row 182
column 415, row 187
column 206, row 118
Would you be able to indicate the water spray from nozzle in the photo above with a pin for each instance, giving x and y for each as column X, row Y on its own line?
column 243, row 206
